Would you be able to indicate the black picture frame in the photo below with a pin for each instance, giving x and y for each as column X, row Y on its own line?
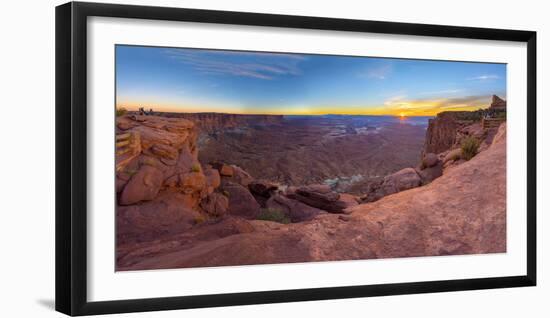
column 71, row 157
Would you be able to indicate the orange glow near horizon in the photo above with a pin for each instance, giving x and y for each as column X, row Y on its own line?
column 397, row 109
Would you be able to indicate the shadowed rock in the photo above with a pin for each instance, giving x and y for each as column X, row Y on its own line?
column 215, row 204
column 293, row 209
column 144, row 185
column 322, row 197
column 401, row 180
column 429, row 160
column 241, row 201
column 241, row 177
column 262, row 188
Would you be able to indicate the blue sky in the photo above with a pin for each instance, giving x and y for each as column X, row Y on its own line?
column 196, row 80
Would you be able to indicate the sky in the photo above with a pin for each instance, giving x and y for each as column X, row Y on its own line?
column 199, row 80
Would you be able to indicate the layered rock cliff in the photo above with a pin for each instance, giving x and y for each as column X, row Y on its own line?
column 447, row 129
column 161, row 186
column 213, row 122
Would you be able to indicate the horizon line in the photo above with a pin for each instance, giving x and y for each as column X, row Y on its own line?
column 324, row 114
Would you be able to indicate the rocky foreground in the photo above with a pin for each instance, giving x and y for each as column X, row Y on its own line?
column 174, row 212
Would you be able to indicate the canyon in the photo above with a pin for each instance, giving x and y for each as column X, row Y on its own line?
column 191, row 187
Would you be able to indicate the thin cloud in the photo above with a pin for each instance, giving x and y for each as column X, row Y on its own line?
column 443, row 92
column 434, row 106
column 483, row 78
column 265, row 66
column 299, row 57
column 380, row 72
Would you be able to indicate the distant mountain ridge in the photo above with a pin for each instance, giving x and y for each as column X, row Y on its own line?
column 212, row 122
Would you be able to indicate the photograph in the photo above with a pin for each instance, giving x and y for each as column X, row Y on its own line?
column 228, row 157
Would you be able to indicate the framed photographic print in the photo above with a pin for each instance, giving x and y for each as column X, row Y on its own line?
column 210, row 158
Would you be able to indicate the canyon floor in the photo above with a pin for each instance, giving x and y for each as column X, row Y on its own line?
column 346, row 152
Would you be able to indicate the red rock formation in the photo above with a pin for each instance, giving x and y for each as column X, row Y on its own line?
column 213, row 122
column 295, row 210
column 448, row 129
column 455, row 214
column 322, row 197
column 161, row 185
column 498, row 103
column 441, row 133
column 401, row 180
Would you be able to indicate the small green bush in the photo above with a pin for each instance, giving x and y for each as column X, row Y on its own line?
column 501, row 115
column 473, row 115
column 274, row 215
column 199, row 219
column 121, row 111
column 131, row 172
column 456, row 156
column 196, row 168
column 469, row 146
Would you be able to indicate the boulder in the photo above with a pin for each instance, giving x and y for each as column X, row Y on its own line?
column 429, row 174
column 143, row 186
column 262, row 188
column 240, row 176
column 212, row 178
column 322, row 197
column 241, row 201
column 429, row 160
column 295, row 210
column 226, row 171
column 401, row 180
column 192, row 182
column 215, row 204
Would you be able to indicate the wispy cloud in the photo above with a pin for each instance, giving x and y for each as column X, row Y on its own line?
column 379, row 72
column 443, row 92
column 265, row 66
column 432, row 106
column 486, row 77
column 299, row 57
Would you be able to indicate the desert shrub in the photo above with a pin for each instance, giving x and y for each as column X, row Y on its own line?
column 199, row 219
column 501, row 115
column 121, row 111
column 225, row 193
column 274, row 215
column 149, row 161
column 456, row 156
column 131, row 172
column 473, row 115
column 469, row 146
column 195, row 168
